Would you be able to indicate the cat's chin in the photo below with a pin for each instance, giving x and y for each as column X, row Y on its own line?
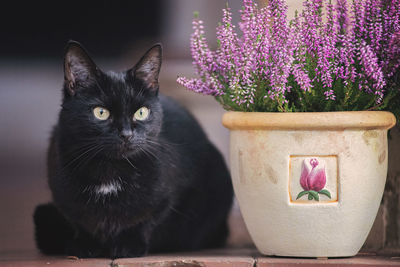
column 122, row 154
column 130, row 153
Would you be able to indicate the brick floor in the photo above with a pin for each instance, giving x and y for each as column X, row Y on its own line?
column 360, row 260
column 35, row 259
column 212, row 258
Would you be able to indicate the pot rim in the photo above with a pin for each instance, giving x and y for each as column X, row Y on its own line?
column 337, row 120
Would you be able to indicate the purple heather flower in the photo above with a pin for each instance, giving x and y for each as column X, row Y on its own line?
column 372, row 71
column 353, row 46
column 393, row 63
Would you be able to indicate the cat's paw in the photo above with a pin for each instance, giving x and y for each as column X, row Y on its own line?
column 52, row 231
column 128, row 251
column 84, row 246
column 83, row 252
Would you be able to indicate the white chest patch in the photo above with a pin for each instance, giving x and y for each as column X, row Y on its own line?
column 108, row 188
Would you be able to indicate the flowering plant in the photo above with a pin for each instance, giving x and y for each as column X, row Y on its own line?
column 330, row 57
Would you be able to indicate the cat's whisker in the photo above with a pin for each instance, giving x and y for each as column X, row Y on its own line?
column 157, row 147
column 180, row 213
column 87, row 150
column 164, row 142
column 160, row 144
column 130, row 163
column 88, row 156
column 148, row 152
column 152, row 150
column 160, row 147
column 79, row 149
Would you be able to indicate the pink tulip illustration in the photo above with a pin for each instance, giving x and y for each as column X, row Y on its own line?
column 313, row 179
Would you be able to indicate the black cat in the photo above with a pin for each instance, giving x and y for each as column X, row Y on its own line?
column 130, row 170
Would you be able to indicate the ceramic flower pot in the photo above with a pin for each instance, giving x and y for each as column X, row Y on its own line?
column 309, row 184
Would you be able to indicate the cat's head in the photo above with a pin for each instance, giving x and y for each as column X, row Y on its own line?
column 114, row 114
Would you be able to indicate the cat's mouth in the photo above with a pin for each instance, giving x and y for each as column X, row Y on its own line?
column 125, row 150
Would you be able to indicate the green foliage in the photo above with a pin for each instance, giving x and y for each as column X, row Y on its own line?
column 302, row 193
column 325, row 192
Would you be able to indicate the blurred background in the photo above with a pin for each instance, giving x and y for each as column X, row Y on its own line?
column 116, row 33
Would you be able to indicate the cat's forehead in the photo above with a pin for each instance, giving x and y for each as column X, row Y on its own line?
column 118, row 88
column 116, row 75
column 116, row 84
column 116, row 78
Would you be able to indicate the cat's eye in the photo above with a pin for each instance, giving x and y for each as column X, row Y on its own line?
column 141, row 114
column 101, row 113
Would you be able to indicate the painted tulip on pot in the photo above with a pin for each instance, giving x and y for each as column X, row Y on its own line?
column 308, row 103
column 313, row 180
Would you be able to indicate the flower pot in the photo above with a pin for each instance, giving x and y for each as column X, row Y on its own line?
column 309, row 184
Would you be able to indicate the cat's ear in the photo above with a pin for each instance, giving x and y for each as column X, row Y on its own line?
column 79, row 69
column 148, row 68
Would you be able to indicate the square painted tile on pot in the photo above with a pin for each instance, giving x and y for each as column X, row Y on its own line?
column 313, row 179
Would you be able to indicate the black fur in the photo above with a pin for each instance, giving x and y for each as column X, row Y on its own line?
column 172, row 190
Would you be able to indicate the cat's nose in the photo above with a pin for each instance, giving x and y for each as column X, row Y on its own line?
column 126, row 134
